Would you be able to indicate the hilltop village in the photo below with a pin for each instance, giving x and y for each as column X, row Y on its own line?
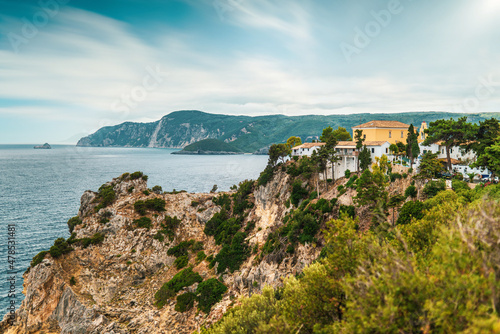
column 390, row 138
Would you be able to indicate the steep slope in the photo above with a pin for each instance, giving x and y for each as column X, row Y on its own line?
column 108, row 282
column 181, row 128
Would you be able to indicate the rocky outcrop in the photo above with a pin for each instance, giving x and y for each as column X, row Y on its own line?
column 110, row 287
column 45, row 146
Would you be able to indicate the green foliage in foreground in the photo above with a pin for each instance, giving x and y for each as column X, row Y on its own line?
column 438, row 274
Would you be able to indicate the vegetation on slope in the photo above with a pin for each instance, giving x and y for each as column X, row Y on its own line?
column 211, row 145
column 252, row 133
column 438, row 273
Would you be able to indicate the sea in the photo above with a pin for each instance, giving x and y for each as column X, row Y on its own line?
column 41, row 189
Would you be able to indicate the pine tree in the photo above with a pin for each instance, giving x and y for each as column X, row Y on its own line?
column 358, row 136
column 412, row 148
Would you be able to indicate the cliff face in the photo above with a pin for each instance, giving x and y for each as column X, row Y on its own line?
column 109, row 287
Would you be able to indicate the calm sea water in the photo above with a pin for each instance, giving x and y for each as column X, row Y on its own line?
column 41, row 189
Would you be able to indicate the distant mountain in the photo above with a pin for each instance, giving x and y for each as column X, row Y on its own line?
column 209, row 146
column 249, row 134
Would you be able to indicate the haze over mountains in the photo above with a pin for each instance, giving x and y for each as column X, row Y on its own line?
column 249, row 134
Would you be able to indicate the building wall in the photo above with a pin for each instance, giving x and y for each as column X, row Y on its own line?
column 391, row 135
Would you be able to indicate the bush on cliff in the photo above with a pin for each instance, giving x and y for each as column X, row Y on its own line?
column 72, row 222
column 59, row 248
column 38, row 258
column 209, row 293
column 106, row 195
column 152, row 204
column 185, row 302
column 182, row 279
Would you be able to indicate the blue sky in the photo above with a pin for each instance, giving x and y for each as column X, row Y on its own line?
column 69, row 67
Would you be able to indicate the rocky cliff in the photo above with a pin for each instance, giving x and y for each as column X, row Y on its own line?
column 110, row 286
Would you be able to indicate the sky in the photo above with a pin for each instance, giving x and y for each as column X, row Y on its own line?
column 69, row 67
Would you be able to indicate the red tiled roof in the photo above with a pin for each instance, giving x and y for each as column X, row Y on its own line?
column 382, row 124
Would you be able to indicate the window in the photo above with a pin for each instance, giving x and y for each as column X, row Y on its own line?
column 402, row 134
column 386, row 150
column 364, row 136
column 390, row 134
column 373, row 150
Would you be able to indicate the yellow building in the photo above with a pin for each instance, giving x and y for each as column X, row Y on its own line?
column 391, row 131
column 421, row 134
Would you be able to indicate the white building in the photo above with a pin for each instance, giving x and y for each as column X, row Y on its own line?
column 306, row 149
column 346, row 152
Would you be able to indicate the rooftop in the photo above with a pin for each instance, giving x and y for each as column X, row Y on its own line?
column 383, row 124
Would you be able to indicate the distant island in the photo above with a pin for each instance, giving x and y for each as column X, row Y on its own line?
column 248, row 134
column 45, row 146
column 210, row 147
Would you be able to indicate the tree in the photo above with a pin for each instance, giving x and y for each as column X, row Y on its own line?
column 394, row 202
column 394, row 149
column 341, row 134
column 492, row 157
column 358, row 137
column 371, row 191
column 449, row 132
column 320, row 158
column 293, row 141
column 364, row 159
column 277, row 152
column 481, row 137
column 327, row 133
column 412, row 148
column 430, row 166
column 331, row 153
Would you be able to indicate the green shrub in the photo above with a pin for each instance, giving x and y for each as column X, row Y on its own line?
column 157, row 189
column 265, row 176
column 181, row 249
column 347, row 173
column 200, row 256
column 411, row 191
column 130, row 189
column 38, row 258
column 146, row 192
column 340, row 188
column 395, row 176
column 106, row 195
column 136, row 175
column 185, row 302
column 224, row 201
column 159, row 236
column 143, row 222
column 155, row 204
column 59, row 248
column 240, row 198
column 411, row 209
column 433, row 187
column 313, row 195
column 352, row 182
column 195, row 203
column 348, row 210
column 404, row 175
column 181, row 261
column 197, row 246
column 233, row 255
column 209, row 293
column 322, row 205
column 72, row 222
column 298, row 193
column 72, row 280
column 182, row 279
column 459, row 185
column 97, row 238
column 140, row 207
